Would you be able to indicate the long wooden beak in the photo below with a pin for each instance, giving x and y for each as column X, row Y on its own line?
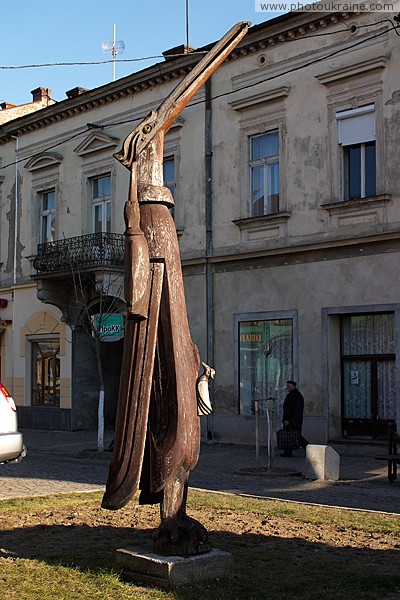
column 173, row 105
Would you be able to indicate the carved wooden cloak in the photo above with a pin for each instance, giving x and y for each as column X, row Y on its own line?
column 157, row 423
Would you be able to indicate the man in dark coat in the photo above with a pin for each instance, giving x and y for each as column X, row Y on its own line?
column 293, row 407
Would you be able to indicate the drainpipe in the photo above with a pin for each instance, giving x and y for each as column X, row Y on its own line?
column 14, row 267
column 209, row 244
column 16, row 210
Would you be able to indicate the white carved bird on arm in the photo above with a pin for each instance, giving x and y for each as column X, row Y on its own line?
column 202, row 392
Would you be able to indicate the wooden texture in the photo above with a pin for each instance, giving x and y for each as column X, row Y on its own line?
column 157, row 434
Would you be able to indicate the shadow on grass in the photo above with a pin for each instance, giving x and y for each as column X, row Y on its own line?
column 270, row 567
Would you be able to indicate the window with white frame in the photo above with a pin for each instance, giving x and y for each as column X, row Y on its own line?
column 47, row 216
column 169, row 174
column 264, row 174
column 101, row 204
column 169, row 178
column 358, row 152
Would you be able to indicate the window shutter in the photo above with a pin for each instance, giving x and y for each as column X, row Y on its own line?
column 356, row 128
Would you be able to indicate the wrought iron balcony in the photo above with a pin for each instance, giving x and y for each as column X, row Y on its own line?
column 87, row 251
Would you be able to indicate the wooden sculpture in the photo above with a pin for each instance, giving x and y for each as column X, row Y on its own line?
column 157, row 432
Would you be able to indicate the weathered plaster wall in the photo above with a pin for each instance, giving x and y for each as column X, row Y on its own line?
column 304, row 262
column 306, row 287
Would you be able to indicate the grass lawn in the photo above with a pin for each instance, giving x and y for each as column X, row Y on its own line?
column 63, row 547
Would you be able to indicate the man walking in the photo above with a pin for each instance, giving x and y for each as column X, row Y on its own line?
column 293, row 407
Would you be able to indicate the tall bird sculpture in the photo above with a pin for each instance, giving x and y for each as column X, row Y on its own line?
column 157, row 432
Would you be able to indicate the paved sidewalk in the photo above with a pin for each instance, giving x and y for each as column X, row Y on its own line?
column 60, row 462
column 363, row 481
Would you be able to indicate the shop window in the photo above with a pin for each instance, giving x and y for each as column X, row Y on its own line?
column 265, row 361
column 45, row 373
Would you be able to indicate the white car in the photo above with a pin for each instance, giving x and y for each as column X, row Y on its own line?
column 12, row 447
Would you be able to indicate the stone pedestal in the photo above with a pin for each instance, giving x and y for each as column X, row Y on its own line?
column 322, row 462
column 168, row 572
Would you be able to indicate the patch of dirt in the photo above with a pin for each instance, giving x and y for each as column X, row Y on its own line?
column 40, row 534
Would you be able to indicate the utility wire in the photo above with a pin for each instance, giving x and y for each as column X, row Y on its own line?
column 88, row 128
column 293, row 69
column 352, row 28
column 94, row 62
column 91, row 126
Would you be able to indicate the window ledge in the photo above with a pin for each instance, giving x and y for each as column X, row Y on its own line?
column 255, row 229
column 356, row 204
column 251, row 222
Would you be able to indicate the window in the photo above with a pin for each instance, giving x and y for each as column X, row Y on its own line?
column 357, row 139
column 169, row 179
column 169, row 175
column 47, row 216
column 264, row 174
column 265, row 361
column 101, row 204
column 45, row 373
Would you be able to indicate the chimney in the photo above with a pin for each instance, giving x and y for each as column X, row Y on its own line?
column 76, row 91
column 41, row 94
column 5, row 105
column 172, row 52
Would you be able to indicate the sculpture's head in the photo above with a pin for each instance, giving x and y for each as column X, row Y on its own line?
column 208, row 371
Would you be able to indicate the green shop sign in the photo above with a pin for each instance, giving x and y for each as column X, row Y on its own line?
column 110, row 327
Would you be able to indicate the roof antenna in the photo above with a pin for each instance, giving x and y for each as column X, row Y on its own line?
column 115, row 48
column 187, row 23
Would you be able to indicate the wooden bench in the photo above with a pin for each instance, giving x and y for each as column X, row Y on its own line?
column 392, row 455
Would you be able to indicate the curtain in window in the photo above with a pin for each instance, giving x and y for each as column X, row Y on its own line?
column 387, row 389
column 368, row 334
column 265, row 145
column 357, row 390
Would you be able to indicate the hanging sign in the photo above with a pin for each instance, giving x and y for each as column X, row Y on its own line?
column 110, row 327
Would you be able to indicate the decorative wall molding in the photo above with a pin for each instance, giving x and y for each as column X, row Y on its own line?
column 354, row 70
column 96, row 141
column 45, row 160
column 255, row 100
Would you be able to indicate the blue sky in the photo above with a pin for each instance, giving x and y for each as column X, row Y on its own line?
column 38, row 32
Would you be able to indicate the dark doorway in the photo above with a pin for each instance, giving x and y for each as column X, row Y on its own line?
column 111, row 359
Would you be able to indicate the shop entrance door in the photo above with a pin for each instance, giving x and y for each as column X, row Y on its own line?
column 368, row 374
column 369, row 395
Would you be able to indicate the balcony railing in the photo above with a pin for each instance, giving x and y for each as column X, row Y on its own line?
column 93, row 250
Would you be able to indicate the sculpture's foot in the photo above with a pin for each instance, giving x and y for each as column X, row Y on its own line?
column 181, row 536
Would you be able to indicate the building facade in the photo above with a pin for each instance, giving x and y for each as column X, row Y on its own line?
column 287, row 207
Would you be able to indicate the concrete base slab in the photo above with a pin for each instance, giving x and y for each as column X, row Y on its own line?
column 322, row 462
column 168, row 572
